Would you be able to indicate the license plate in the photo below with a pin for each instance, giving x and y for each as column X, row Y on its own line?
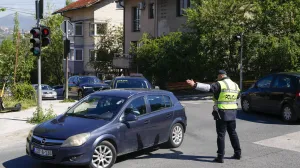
column 42, row 152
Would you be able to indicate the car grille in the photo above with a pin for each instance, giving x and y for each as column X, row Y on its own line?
column 97, row 88
column 46, row 142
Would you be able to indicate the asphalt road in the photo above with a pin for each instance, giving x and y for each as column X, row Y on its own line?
column 199, row 146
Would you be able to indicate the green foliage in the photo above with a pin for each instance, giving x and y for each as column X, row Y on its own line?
column 2, row 9
column 67, row 101
column 26, row 103
column 23, row 91
column 68, row 2
column 271, row 42
column 8, row 51
column 107, row 45
column 52, row 55
column 40, row 116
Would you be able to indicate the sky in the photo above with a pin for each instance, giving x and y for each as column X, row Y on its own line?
column 27, row 7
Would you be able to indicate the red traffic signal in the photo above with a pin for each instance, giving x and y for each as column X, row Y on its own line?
column 35, row 40
column 45, row 31
column 45, row 36
column 35, row 32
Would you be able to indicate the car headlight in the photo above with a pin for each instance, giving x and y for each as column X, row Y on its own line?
column 30, row 134
column 87, row 87
column 76, row 140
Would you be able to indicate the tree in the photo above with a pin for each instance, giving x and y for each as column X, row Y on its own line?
column 52, row 55
column 2, row 9
column 68, row 2
column 8, row 52
column 108, row 44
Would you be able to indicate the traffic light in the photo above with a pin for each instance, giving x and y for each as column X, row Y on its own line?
column 66, row 47
column 36, row 36
column 45, row 36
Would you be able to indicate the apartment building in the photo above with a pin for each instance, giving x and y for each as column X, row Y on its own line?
column 90, row 18
column 156, row 17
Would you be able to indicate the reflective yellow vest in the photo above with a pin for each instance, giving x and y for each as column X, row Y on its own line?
column 228, row 95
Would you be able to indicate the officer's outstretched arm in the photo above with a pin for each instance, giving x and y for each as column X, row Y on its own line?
column 202, row 87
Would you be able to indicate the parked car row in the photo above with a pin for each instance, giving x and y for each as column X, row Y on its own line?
column 81, row 86
column 277, row 94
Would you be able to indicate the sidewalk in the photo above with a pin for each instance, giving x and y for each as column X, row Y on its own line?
column 13, row 125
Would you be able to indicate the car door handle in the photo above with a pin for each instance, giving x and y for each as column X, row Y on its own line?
column 169, row 115
column 146, row 122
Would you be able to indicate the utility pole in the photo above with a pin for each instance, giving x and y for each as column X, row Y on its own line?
column 17, row 52
column 39, row 59
column 241, row 68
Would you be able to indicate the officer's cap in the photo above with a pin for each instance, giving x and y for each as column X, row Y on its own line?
column 222, row 72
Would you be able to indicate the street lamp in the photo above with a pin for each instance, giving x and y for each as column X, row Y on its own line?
column 240, row 37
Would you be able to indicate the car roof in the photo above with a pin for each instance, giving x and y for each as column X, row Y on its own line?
column 127, row 93
column 130, row 77
column 290, row 73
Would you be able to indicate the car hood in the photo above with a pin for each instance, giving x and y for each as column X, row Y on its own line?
column 62, row 127
column 48, row 90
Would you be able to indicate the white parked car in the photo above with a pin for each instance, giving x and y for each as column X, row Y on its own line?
column 47, row 91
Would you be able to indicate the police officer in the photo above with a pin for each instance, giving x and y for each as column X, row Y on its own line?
column 226, row 92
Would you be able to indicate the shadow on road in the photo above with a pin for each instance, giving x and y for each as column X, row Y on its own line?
column 178, row 155
column 262, row 118
column 12, row 119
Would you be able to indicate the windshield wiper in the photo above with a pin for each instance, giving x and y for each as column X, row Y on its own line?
column 94, row 116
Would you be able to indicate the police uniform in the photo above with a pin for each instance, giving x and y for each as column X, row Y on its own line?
column 226, row 92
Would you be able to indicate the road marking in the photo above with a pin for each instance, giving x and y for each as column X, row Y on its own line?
column 288, row 142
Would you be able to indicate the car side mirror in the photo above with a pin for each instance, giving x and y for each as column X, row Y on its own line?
column 129, row 117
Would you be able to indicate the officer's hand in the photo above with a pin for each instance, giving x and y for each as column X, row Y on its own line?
column 190, row 82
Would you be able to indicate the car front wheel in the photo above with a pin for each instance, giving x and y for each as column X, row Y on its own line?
column 176, row 136
column 104, row 156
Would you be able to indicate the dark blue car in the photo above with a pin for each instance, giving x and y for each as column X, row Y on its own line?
column 107, row 124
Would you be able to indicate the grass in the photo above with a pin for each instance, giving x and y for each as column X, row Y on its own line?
column 26, row 104
column 40, row 116
column 67, row 101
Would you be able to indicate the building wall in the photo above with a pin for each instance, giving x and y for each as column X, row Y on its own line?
column 167, row 20
column 147, row 25
column 104, row 11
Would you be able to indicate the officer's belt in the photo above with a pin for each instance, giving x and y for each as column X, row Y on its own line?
column 230, row 91
column 219, row 102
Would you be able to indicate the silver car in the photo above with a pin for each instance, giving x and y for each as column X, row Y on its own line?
column 47, row 91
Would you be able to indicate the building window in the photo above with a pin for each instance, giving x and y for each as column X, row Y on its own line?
column 101, row 28
column 136, row 19
column 78, row 29
column 151, row 10
column 78, row 55
column 181, row 6
column 71, row 55
column 134, row 43
column 119, row 6
column 92, row 55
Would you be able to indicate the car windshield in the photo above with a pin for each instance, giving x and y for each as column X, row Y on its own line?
column 97, row 107
column 131, row 83
column 44, row 87
column 91, row 80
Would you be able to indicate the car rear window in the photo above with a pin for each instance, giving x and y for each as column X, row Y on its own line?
column 131, row 83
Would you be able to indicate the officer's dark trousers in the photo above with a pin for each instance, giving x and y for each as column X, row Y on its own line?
column 230, row 126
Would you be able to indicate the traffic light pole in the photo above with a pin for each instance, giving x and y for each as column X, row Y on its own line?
column 67, row 64
column 39, row 61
